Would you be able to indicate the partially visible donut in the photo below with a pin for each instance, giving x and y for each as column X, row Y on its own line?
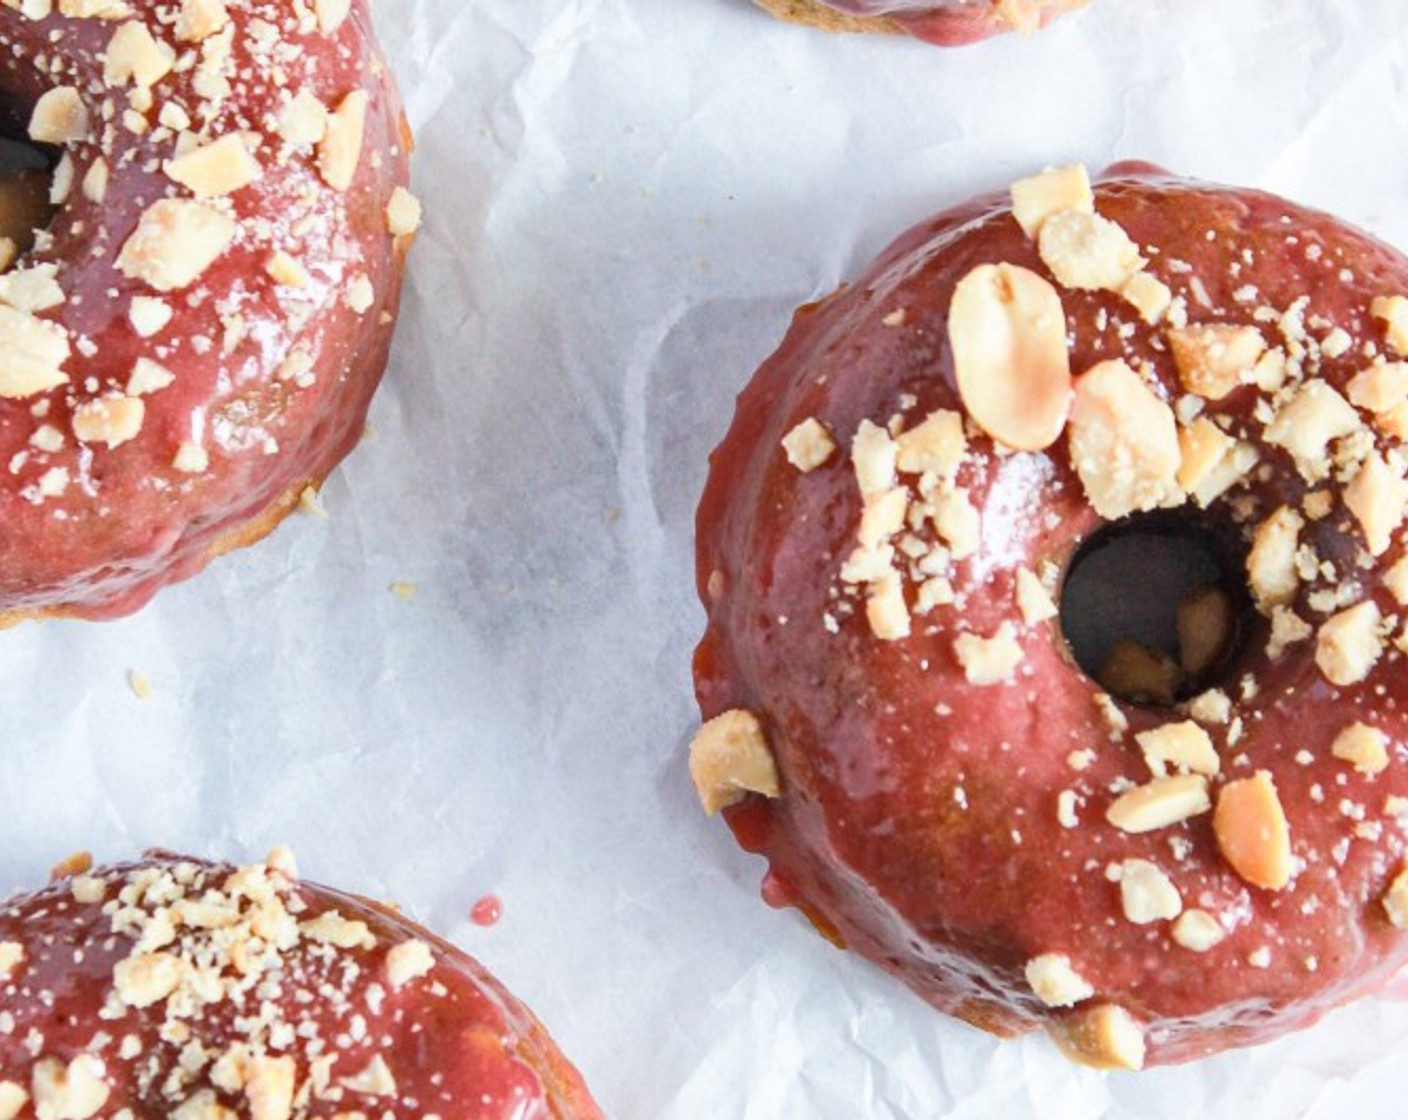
column 194, row 340
column 895, row 718
column 174, row 987
column 947, row 23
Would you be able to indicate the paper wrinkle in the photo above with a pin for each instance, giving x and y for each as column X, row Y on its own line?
column 625, row 201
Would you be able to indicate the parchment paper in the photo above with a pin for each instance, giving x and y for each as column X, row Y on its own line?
column 625, row 200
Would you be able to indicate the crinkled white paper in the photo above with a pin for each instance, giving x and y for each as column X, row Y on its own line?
column 625, row 200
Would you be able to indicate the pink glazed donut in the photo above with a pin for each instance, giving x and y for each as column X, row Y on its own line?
column 946, row 23
column 175, row 987
column 1152, row 864
column 194, row 339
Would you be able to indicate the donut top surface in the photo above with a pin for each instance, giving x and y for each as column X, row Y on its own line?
column 195, row 336
column 884, row 541
column 177, row 988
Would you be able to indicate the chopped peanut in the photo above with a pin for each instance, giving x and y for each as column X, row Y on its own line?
column 1055, row 981
column 1088, row 252
column 1378, row 497
column 1252, row 832
column 1008, row 333
column 1197, row 930
column 935, row 446
column 1147, row 894
column 809, row 445
column 1393, row 311
column 1160, row 803
column 730, row 758
column 1271, row 564
column 1037, row 197
column 1105, row 1037
column 1123, row 442
column 1364, row 747
column 988, row 661
column 1348, row 644
column 1184, row 746
column 1213, row 359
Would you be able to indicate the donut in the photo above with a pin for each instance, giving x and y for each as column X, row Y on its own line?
column 177, row 987
column 1157, row 851
column 945, row 23
column 191, row 343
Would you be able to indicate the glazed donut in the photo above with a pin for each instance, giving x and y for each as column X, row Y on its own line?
column 193, row 341
column 200, row 991
column 889, row 541
column 946, row 23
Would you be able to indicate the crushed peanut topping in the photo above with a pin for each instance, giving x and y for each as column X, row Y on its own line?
column 134, row 56
column 1252, row 832
column 1393, row 311
column 1271, row 565
column 1197, row 930
column 1149, row 296
column 1348, row 644
column 175, row 242
column 1124, row 443
column 74, row 1091
column 1038, row 197
column 991, row 660
column 13, row 1098
column 1105, row 1036
column 1160, row 803
column 1395, row 900
column 1146, row 893
column 59, row 117
column 11, row 954
column 937, row 445
column 885, row 608
column 108, row 420
column 730, row 758
column 1185, row 747
column 1364, row 747
column 215, row 169
column 410, row 960
column 1214, row 359
column 1056, row 982
column 32, row 354
column 809, row 445
column 340, row 149
column 1307, row 424
column 1033, row 600
column 403, row 213
column 200, row 19
column 1088, row 252
column 1382, row 387
column 1378, row 498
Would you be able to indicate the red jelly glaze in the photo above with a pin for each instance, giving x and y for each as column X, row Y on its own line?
column 918, row 821
column 128, row 522
column 487, row 911
column 456, row 1043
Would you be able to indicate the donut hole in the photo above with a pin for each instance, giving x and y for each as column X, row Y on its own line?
column 1155, row 608
column 26, row 175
